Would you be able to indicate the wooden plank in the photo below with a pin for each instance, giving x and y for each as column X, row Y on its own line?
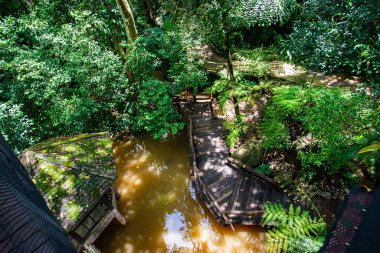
column 199, row 180
column 211, row 176
column 243, row 193
column 249, row 169
column 267, row 192
column 237, row 191
column 224, row 186
column 224, row 196
column 244, row 212
column 252, row 200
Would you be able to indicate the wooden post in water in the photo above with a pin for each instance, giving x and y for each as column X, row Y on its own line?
column 119, row 217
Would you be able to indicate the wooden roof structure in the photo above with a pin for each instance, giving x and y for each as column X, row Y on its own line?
column 356, row 227
column 26, row 223
column 233, row 193
column 72, row 174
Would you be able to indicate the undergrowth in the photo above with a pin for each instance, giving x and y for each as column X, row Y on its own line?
column 292, row 230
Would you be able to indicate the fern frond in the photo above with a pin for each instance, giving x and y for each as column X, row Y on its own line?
column 293, row 229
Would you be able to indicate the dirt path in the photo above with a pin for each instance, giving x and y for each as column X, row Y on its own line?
column 283, row 70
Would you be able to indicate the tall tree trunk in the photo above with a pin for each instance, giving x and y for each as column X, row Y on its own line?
column 230, row 71
column 129, row 21
column 149, row 15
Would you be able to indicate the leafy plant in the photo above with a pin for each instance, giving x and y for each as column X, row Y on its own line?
column 337, row 36
column 256, row 62
column 237, row 128
column 264, row 169
column 292, row 230
column 16, row 127
column 371, row 159
column 330, row 125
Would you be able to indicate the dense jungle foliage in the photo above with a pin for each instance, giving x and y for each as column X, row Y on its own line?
column 338, row 36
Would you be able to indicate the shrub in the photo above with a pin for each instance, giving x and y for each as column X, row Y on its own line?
column 337, row 36
column 333, row 124
column 16, row 127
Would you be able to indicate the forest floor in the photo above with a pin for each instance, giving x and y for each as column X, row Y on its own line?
column 283, row 70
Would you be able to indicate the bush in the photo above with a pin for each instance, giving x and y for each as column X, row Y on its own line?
column 333, row 124
column 338, row 36
column 65, row 81
column 237, row 127
column 265, row 169
column 16, row 127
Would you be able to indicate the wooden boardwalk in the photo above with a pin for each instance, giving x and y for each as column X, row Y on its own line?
column 232, row 194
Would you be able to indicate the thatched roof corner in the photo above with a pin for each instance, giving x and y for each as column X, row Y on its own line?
column 72, row 173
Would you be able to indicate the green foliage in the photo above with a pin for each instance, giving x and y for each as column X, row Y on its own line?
column 152, row 59
column 338, row 36
column 65, row 69
column 179, row 63
column 241, row 89
column 73, row 210
column 292, row 230
column 211, row 20
column 256, row 62
column 370, row 156
column 274, row 130
column 237, row 128
column 331, row 122
column 12, row 7
column 61, row 79
column 267, row 12
column 264, row 169
column 156, row 113
column 16, row 127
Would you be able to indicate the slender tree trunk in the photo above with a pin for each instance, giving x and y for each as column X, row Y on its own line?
column 230, row 68
column 230, row 71
column 149, row 15
column 129, row 21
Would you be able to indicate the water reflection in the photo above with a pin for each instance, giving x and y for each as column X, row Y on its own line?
column 163, row 212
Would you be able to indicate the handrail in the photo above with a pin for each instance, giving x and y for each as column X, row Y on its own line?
column 252, row 171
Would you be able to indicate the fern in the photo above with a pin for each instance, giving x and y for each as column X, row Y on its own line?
column 274, row 130
column 292, row 230
column 236, row 128
column 289, row 99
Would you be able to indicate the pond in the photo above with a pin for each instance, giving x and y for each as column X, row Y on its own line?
column 162, row 210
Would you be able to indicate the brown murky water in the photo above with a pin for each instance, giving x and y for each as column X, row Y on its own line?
column 163, row 213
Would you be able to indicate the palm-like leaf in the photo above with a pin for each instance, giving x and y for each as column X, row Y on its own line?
column 292, row 230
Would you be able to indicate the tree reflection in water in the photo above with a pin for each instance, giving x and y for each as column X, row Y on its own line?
column 163, row 214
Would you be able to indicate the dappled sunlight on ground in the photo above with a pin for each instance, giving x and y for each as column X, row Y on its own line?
column 163, row 213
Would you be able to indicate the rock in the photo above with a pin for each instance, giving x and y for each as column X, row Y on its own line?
column 347, row 191
column 325, row 195
column 251, row 153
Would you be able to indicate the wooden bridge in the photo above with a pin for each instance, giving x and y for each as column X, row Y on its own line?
column 233, row 195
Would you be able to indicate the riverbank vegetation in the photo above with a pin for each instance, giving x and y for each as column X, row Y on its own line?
column 297, row 81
